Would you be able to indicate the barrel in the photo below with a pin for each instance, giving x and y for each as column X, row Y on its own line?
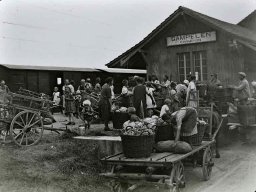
column 247, row 114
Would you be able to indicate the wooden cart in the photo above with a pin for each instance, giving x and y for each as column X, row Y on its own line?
column 21, row 116
column 160, row 169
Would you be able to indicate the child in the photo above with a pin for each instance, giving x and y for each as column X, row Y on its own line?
column 56, row 96
column 87, row 112
column 166, row 107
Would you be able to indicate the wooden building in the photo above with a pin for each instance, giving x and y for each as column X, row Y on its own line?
column 43, row 79
column 188, row 42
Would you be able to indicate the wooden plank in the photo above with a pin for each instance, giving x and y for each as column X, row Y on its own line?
column 99, row 138
column 154, row 157
column 134, row 176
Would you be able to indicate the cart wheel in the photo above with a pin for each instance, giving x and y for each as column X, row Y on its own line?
column 177, row 177
column 207, row 163
column 26, row 128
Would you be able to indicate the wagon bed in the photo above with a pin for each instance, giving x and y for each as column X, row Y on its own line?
column 173, row 177
column 156, row 159
column 160, row 168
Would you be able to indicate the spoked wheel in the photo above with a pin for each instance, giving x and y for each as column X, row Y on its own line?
column 177, row 177
column 26, row 128
column 207, row 163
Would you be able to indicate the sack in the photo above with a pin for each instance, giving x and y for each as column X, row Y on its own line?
column 168, row 146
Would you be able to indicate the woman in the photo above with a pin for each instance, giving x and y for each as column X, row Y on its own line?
column 4, row 90
column 125, row 101
column 151, row 103
column 70, row 107
column 191, row 93
column 172, row 90
column 139, row 97
column 97, row 87
column 106, row 102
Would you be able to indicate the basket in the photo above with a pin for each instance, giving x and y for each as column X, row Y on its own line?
column 137, row 146
column 196, row 139
column 164, row 133
column 119, row 118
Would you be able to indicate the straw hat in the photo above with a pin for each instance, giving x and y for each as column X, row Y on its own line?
column 242, row 74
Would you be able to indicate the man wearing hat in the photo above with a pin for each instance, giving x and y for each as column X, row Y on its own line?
column 214, row 82
column 243, row 89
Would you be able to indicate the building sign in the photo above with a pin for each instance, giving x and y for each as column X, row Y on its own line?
column 191, row 38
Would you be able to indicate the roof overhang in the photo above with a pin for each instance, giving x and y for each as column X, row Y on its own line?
column 48, row 68
column 124, row 71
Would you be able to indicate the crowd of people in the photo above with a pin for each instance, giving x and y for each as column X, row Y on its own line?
column 140, row 93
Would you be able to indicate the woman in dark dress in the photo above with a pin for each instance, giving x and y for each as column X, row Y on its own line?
column 139, row 98
column 70, row 107
column 125, row 100
column 105, row 102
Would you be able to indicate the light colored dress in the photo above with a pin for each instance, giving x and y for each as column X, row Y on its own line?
column 149, row 101
column 191, row 93
column 56, row 98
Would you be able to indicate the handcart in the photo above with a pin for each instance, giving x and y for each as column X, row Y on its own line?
column 21, row 116
column 160, row 169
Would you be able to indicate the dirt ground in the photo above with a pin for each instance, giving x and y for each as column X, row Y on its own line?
column 61, row 164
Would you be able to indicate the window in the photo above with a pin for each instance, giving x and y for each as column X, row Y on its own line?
column 59, row 81
column 200, row 66
column 197, row 66
column 184, row 65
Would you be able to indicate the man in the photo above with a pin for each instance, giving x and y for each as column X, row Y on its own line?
column 214, row 82
column 243, row 89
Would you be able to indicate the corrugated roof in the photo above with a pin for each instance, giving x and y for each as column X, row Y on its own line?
column 238, row 31
column 48, row 68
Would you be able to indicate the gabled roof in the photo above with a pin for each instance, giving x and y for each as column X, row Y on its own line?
column 251, row 15
column 249, row 22
column 235, row 30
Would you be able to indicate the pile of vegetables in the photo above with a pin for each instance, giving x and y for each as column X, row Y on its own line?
column 137, row 127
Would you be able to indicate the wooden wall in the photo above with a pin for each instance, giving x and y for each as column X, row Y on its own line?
column 221, row 59
column 45, row 81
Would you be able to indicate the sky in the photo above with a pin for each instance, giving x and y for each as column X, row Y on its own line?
column 91, row 33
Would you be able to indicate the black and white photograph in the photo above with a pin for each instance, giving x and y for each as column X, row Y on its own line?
column 127, row 96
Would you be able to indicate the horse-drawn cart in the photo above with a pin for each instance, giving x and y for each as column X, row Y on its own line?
column 21, row 116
